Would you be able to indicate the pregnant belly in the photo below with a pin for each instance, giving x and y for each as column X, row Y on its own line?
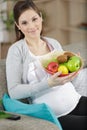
column 61, row 99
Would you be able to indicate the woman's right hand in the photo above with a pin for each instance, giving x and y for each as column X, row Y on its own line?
column 55, row 80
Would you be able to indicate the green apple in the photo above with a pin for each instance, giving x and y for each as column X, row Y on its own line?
column 74, row 63
column 65, row 63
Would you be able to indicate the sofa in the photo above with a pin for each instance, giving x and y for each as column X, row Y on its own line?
column 26, row 122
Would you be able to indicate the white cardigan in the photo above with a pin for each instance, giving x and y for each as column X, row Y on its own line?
column 17, row 61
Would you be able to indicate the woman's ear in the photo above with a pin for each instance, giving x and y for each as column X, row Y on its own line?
column 17, row 25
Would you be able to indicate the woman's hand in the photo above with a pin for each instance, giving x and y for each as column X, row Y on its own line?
column 55, row 80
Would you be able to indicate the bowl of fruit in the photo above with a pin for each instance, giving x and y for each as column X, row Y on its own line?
column 65, row 62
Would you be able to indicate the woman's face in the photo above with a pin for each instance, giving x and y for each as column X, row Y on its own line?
column 30, row 24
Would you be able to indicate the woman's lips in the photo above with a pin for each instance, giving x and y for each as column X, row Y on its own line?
column 33, row 31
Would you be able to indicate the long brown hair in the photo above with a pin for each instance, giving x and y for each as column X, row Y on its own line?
column 18, row 9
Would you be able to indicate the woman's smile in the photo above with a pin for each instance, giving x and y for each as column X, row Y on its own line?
column 33, row 31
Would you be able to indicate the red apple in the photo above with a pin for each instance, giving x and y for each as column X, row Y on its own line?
column 52, row 67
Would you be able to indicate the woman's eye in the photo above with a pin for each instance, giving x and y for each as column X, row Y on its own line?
column 34, row 19
column 24, row 22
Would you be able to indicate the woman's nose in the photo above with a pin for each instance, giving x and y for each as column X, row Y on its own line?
column 31, row 25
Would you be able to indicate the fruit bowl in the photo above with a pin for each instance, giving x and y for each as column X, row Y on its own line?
column 65, row 62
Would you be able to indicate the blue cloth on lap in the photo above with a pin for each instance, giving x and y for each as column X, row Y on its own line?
column 42, row 111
